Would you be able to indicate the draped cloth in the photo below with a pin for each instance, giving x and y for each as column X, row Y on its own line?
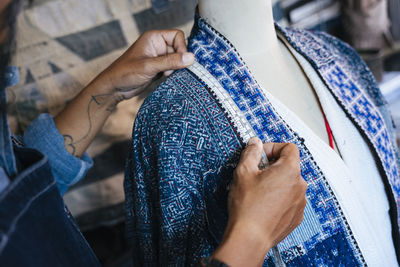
column 187, row 140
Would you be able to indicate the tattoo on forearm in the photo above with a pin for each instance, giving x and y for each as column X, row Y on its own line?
column 69, row 143
column 98, row 100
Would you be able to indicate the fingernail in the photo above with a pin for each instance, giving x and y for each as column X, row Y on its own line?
column 187, row 58
column 253, row 141
column 168, row 72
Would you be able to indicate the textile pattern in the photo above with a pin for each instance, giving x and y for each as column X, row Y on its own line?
column 219, row 57
column 352, row 84
column 185, row 147
column 180, row 141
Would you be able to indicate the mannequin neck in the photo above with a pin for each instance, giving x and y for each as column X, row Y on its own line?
column 249, row 26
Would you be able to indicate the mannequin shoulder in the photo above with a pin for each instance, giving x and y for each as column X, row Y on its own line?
column 320, row 45
column 183, row 106
column 172, row 97
column 347, row 57
column 326, row 51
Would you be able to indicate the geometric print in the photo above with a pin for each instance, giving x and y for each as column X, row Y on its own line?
column 186, row 144
column 245, row 131
column 310, row 226
column 345, row 78
column 180, row 141
column 213, row 52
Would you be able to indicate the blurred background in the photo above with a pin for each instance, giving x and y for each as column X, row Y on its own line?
column 63, row 44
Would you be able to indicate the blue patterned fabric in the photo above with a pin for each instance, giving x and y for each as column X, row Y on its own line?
column 346, row 81
column 186, row 145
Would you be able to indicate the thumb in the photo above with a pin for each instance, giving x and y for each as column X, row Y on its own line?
column 170, row 62
column 251, row 155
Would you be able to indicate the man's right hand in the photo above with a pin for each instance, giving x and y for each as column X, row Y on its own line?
column 264, row 205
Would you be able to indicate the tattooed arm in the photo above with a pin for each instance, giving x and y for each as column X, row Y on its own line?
column 153, row 53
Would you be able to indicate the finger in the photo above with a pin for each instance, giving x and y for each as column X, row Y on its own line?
column 168, row 62
column 281, row 150
column 170, row 50
column 168, row 73
column 251, row 155
column 175, row 39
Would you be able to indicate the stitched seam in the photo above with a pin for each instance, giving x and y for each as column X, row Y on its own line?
column 300, row 141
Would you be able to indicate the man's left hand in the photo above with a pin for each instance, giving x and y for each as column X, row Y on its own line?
column 154, row 52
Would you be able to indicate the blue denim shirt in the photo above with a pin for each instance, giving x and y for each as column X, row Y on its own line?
column 43, row 135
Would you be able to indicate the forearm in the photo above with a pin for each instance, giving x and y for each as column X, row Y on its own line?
column 153, row 53
column 84, row 116
column 240, row 247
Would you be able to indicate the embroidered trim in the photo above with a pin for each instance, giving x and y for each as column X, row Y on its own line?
column 356, row 103
column 239, row 78
column 245, row 132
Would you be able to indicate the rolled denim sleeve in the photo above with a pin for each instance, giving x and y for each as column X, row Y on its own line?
column 67, row 169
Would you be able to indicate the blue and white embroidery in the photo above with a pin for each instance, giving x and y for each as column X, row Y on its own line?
column 325, row 56
column 219, row 57
column 186, row 143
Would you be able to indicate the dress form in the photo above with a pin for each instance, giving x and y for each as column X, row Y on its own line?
column 250, row 28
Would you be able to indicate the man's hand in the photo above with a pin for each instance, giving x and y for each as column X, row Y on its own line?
column 264, row 205
column 153, row 53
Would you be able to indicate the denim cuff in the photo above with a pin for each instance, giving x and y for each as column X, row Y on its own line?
column 67, row 169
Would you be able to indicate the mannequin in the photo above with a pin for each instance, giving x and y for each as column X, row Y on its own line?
column 250, row 28
column 189, row 131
